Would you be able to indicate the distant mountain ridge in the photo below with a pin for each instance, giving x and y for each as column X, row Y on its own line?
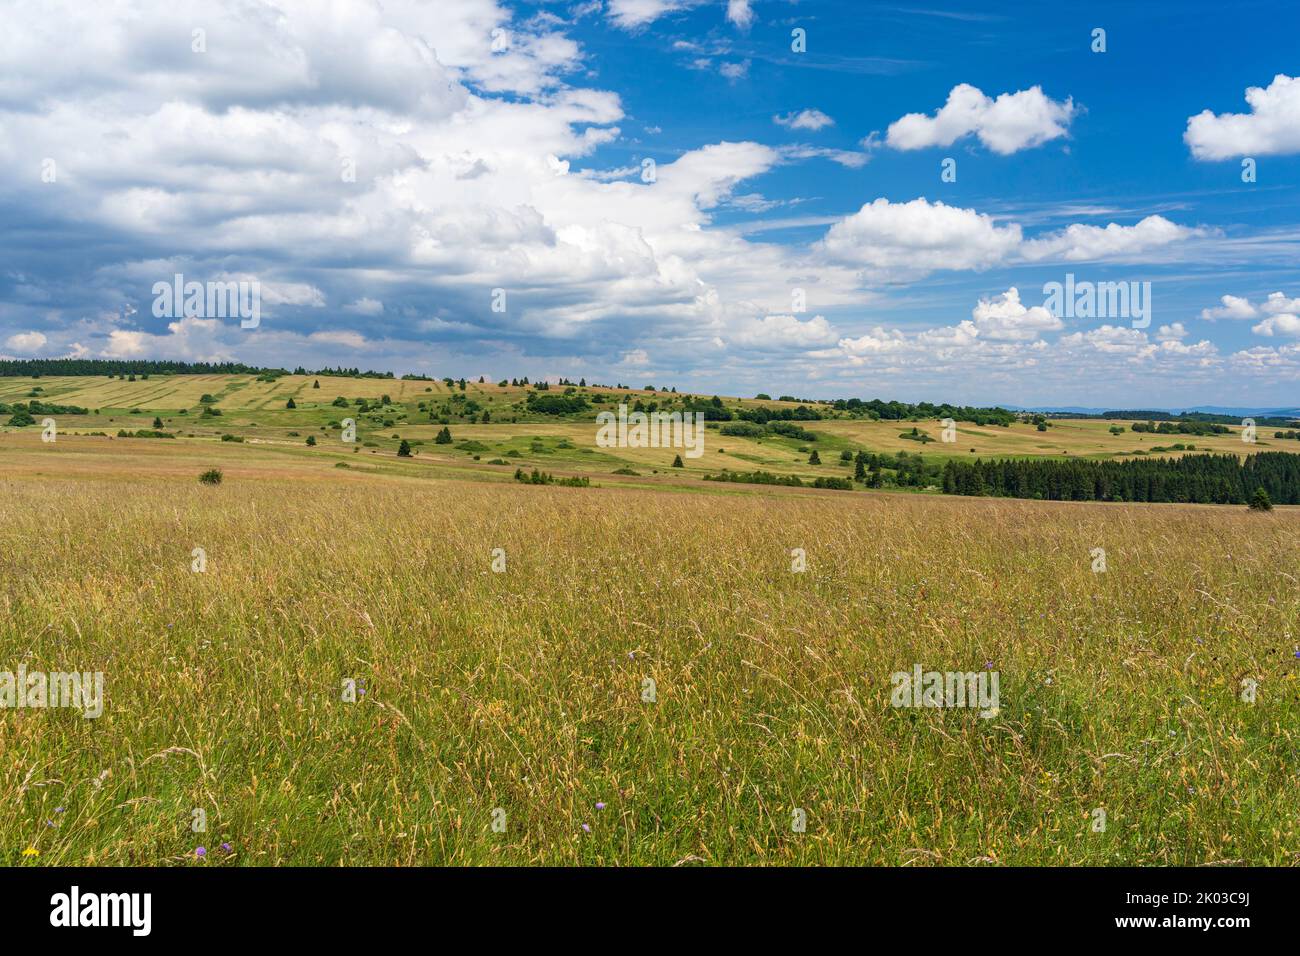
column 1259, row 412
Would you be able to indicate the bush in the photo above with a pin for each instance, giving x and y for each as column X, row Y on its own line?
column 743, row 429
column 311, row 441
column 211, row 477
column 791, row 430
column 1261, row 501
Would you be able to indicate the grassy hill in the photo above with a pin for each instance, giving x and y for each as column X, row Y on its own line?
column 254, row 410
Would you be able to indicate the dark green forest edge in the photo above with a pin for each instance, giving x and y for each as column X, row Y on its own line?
column 1205, row 479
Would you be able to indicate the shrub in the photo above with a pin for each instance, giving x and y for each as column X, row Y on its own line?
column 211, row 477
column 791, row 430
column 311, row 441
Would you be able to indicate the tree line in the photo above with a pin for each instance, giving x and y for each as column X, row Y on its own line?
column 1209, row 479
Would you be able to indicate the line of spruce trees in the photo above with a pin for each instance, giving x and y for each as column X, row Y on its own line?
column 1209, row 479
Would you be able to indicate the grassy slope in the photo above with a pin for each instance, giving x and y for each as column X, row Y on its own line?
column 256, row 411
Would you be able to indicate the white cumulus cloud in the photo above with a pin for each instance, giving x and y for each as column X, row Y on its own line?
column 918, row 237
column 812, row 119
column 1271, row 127
column 26, row 342
column 1003, row 317
column 1007, row 124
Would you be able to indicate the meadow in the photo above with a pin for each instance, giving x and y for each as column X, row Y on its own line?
column 255, row 411
column 631, row 673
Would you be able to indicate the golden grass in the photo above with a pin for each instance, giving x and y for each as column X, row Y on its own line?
column 523, row 690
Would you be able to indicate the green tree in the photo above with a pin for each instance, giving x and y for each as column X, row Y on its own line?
column 1261, row 501
column 311, row 441
column 677, row 461
column 404, row 449
column 814, row 458
column 444, row 437
column 290, row 403
column 157, row 422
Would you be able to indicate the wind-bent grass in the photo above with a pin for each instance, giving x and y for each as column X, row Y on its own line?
column 523, row 690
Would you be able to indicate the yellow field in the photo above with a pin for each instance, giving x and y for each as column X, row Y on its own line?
column 255, row 410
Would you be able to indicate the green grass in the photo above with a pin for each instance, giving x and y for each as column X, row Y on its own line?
column 523, row 690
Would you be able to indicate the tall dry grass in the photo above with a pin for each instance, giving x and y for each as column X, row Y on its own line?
column 524, row 690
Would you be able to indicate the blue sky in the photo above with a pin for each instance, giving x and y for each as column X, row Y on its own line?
column 500, row 217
